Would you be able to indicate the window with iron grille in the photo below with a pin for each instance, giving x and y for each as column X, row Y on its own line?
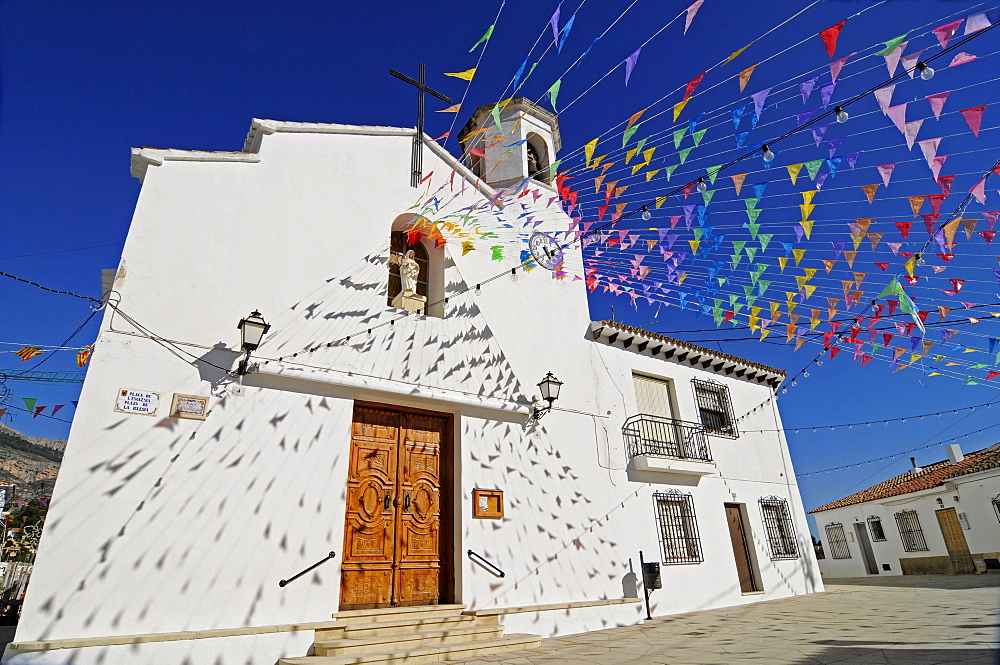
column 910, row 531
column 996, row 505
column 678, row 527
column 715, row 408
column 780, row 531
column 837, row 541
column 875, row 528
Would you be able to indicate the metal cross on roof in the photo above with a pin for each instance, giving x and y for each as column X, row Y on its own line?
column 417, row 161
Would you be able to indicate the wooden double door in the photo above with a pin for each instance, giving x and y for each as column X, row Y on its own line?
column 396, row 550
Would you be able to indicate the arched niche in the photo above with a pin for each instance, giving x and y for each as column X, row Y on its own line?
column 537, row 158
column 407, row 234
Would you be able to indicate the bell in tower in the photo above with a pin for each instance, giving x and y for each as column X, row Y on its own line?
column 524, row 146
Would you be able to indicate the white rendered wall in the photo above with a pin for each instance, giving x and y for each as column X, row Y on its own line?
column 160, row 525
column 976, row 493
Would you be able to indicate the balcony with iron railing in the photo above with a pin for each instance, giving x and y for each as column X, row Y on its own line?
column 656, row 443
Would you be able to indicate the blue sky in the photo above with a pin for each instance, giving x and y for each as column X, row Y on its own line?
column 82, row 83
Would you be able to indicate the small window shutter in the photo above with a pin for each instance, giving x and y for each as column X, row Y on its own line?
column 652, row 396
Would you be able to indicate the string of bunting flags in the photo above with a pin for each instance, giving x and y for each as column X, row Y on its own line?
column 31, row 406
column 28, row 352
column 860, row 229
column 690, row 262
column 884, row 421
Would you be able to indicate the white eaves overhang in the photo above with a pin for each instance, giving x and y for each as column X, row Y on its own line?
column 655, row 345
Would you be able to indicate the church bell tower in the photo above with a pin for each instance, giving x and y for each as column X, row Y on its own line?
column 523, row 146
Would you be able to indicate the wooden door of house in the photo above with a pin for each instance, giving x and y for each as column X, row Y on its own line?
column 954, row 540
column 393, row 540
column 741, row 549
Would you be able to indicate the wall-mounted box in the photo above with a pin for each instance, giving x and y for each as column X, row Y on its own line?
column 487, row 504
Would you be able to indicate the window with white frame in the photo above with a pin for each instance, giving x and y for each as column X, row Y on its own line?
column 875, row 528
column 996, row 505
column 715, row 408
column 678, row 527
column 780, row 530
column 910, row 532
column 837, row 541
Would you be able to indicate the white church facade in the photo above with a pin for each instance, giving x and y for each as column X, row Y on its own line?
column 388, row 426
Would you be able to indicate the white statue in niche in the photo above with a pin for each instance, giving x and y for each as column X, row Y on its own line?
column 409, row 270
column 409, row 274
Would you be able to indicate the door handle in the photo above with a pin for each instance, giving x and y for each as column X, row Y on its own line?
column 386, row 501
column 406, row 501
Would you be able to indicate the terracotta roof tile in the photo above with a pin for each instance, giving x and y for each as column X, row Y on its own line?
column 929, row 476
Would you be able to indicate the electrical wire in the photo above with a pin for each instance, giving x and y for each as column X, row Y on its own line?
column 895, row 455
column 45, row 288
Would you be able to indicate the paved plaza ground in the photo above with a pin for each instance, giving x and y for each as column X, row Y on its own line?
column 909, row 620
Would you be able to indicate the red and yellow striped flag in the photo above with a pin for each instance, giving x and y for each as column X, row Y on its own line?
column 28, row 352
column 83, row 355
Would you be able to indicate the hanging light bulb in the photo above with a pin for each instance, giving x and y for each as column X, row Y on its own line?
column 513, row 274
column 920, row 260
column 784, row 390
column 645, row 213
column 794, row 382
column 702, row 185
column 841, row 114
column 805, row 374
column 926, row 73
column 819, row 362
column 768, row 155
column 479, row 289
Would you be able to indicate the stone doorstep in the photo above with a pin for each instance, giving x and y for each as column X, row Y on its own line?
column 143, row 638
column 402, row 626
column 460, row 651
column 391, row 613
column 375, row 643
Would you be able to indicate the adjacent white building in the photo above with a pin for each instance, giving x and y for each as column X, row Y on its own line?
column 943, row 518
column 389, row 427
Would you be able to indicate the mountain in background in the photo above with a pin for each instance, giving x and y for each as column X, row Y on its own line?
column 30, row 463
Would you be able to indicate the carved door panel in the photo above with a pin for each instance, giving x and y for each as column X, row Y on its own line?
column 370, row 520
column 418, row 528
column 392, row 531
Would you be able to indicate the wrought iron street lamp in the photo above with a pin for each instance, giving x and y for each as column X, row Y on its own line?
column 549, row 386
column 252, row 330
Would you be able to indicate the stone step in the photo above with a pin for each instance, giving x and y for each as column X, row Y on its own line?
column 402, row 626
column 405, row 641
column 433, row 654
column 395, row 613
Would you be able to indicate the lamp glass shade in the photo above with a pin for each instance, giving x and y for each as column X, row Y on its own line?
column 550, row 386
column 252, row 330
